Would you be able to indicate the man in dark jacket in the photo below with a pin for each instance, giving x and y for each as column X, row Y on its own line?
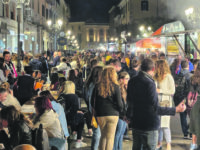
column 144, row 109
column 25, row 84
column 36, row 63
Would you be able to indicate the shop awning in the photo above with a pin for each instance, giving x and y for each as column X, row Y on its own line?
column 158, row 32
column 149, row 43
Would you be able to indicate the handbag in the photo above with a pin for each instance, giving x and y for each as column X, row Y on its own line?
column 94, row 121
column 163, row 103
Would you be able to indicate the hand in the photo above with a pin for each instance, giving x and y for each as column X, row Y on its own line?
column 158, row 90
column 181, row 107
column 80, row 112
column 7, row 72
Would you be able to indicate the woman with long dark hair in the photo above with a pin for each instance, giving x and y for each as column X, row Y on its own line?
column 93, row 79
column 107, row 95
column 20, row 132
column 121, row 125
column 78, row 81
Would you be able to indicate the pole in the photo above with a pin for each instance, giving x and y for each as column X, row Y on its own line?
column 180, row 45
column 194, row 44
column 18, row 37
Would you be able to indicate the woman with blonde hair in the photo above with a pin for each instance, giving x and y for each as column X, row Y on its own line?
column 107, row 95
column 75, row 118
column 165, row 88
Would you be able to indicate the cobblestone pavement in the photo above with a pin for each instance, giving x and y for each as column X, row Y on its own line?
column 178, row 143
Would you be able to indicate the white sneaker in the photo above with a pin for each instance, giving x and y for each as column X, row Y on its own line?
column 193, row 146
column 80, row 144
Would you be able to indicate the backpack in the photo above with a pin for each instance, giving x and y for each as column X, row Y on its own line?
column 192, row 97
column 179, row 94
column 40, row 138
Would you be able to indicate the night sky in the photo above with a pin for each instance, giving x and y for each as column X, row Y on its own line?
column 90, row 10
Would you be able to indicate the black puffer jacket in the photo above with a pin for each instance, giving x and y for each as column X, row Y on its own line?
column 20, row 133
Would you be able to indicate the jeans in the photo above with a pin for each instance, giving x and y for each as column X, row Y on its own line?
column 120, row 130
column 184, row 125
column 145, row 140
column 95, row 138
column 167, row 135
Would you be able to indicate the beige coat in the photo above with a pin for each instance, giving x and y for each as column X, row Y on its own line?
column 11, row 100
column 167, row 89
column 51, row 124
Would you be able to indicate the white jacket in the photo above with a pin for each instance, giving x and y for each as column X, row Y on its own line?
column 51, row 124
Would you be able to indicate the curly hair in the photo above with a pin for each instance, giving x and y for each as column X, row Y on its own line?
column 161, row 69
column 109, row 77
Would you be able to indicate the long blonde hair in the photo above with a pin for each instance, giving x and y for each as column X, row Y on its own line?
column 105, row 87
column 69, row 87
column 162, row 69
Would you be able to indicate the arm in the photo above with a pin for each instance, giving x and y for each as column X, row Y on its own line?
column 186, row 87
column 93, row 97
column 153, row 98
column 118, row 98
column 3, row 78
column 129, row 112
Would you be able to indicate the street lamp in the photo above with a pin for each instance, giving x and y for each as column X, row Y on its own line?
column 189, row 11
column 55, row 28
column 144, row 31
column 19, row 43
column 141, row 28
column 149, row 28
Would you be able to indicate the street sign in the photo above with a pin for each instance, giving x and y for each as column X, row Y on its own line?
column 62, row 41
column 62, row 34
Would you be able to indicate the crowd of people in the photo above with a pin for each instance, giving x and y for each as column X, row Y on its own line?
column 121, row 91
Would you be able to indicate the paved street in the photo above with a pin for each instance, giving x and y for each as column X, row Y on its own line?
column 178, row 143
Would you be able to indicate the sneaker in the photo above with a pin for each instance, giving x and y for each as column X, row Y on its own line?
column 80, row 144
column 126, row 138
column 159, row 148
column 185, row 137
column 193, row 146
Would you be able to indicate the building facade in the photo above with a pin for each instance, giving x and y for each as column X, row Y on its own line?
column 129, row 15
column 90, row 35
column 35, row 34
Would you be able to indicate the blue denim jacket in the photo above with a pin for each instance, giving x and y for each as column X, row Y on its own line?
column 61, row 115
